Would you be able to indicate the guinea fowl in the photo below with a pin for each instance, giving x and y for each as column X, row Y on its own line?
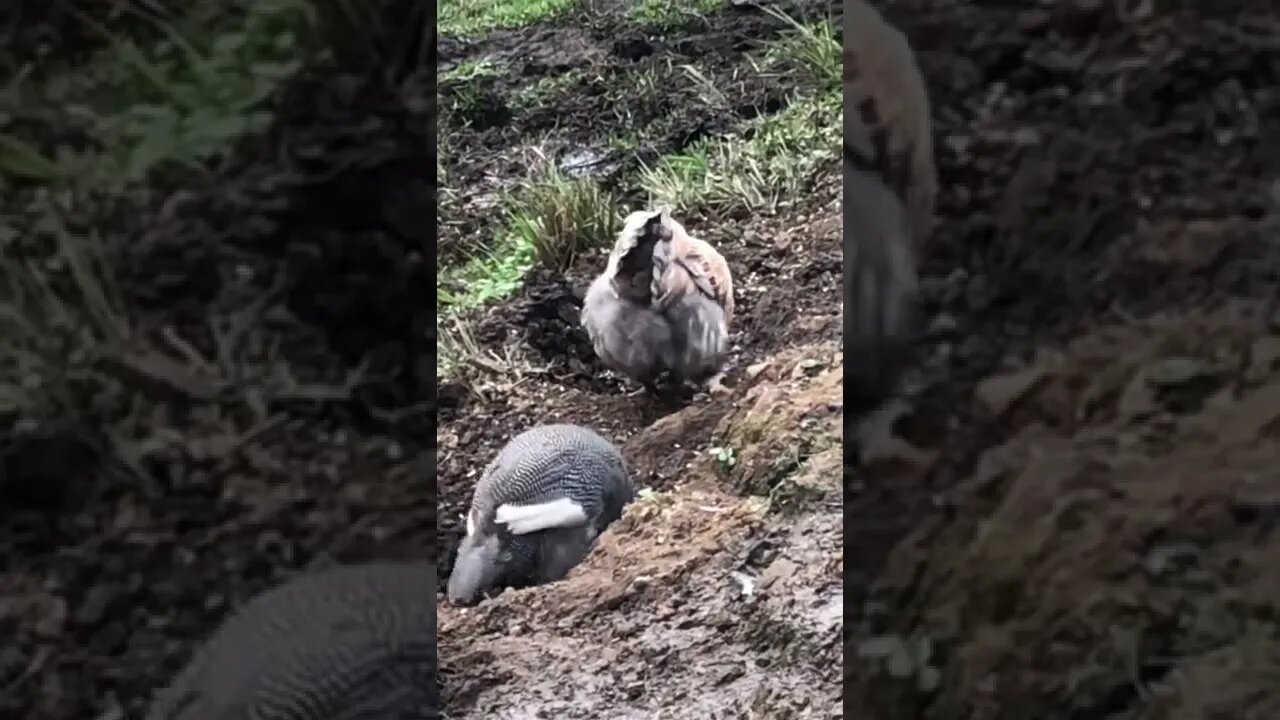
column 351, row 642
column 664, row 303
column 538, row 509
column 890, row 185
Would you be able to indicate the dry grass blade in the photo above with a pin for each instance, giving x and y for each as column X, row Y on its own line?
column 462, row 358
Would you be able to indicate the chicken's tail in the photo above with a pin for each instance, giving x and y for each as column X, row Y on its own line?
column 890, row 188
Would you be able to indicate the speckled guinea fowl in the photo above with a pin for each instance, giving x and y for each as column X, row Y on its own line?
column 537, row 510
column 350, row 643
column 890, row 186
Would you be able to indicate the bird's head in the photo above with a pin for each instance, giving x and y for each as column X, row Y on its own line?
column 480, row 567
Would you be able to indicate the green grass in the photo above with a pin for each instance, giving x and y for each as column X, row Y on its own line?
column 548, row 223
column 547, row 89
column 464, row 84
column 473, row 18
column 186, row 99
column 623, row 143
column 486, row 277
column 814, row 48
column 668, row 14
column 471, row 71
column 772, row 161
column 765, row 165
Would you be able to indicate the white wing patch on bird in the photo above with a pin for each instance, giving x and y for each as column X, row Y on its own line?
column 524, row 519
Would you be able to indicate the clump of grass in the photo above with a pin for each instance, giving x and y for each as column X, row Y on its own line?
column 669, row 14
column 487, row 276
column 549, row 223
column 625, row 143
column 471, row 71
column 563, row 217
column 815, row 48
column 461, row 357
column 464, row 83
column 185, row 99
column 547, row 89
column 472, row 18
column 51, row 333
column 631, row 90
column 773, row 161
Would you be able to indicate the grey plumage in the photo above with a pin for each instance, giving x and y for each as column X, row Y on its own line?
column 663, row 303
column 890, row 187
column 537, row 510
column 349, row 643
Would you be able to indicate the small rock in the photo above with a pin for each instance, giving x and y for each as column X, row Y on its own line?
column 1164, row 558
column 1176, row 370
column 1026, row 137
column 808, row 367
column 53, row 620
column 1262, row 358
column 998, row 394
column 879, row 647
column 929, row 679
column 781, row 569
column 95, row 606
column 899, row 664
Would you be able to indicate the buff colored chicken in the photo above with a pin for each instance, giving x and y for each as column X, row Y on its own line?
column 890, row 184
column 663, row 303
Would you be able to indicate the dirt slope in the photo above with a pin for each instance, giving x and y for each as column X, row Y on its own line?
column 231, row 443
column 1079, row 485
column 720, row 596
column 665, row 588
column 703, row 601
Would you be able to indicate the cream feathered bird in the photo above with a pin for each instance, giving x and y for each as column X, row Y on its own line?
column 663, row 303
column 890, row 186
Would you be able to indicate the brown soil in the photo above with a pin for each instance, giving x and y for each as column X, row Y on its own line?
column 231, row 442
column 1072, row 501
column 1075, row 500
column 1080, row 512
column 719, row 596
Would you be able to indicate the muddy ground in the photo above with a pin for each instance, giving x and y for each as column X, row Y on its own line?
column 1089, row 534
column 1070, row 507
column 1082, row 516
column 267, row 413
column 721, row 593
